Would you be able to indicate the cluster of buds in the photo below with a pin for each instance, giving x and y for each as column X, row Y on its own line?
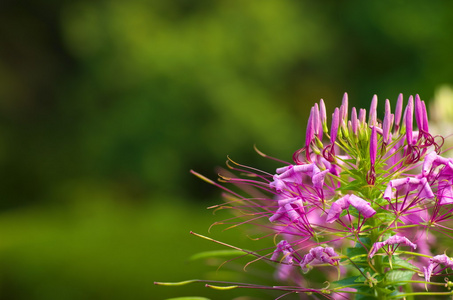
column 368, row 199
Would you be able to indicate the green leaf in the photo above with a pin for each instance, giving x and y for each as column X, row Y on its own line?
column 365, row 297
column 384, row 290
column 365, row 240
column 358, row 249
column 401, row 263
column 396, row 293
column 351, row 252
column 217, row 253
column 396, row 277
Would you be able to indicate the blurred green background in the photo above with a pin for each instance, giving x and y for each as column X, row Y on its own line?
column 105, row 106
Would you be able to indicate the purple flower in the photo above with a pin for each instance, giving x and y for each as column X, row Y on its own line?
column 443, row 177
column 288, row 257
column 394, row 241
column 291, row 208
column 349, row 200
column 385, row 178
column 319, row 255
column 416, row 187
column 289, row 177
column 285, row 248
column 436, row 261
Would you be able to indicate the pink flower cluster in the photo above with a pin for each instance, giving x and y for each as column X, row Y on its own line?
column 354, row 196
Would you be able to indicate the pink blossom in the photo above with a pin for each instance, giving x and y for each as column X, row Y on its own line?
column 417, row 187
column 393, row 240
column 343, row 203
column 319, row 255
column 287, row 178
column 436, row 261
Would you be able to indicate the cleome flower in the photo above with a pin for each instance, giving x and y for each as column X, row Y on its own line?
column 362, row 195
column 319, row 255
column 393, row 242
column 337, row 207
column 436, row 261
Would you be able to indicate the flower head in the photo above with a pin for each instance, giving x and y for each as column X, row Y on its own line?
column 365, row 202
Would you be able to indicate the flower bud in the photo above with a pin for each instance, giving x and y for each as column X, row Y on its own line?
column 373, row 146
column 310, row 133
column 362, row 117
column 419, row 113
column 387, row 122
column 317, row 122
column 344, row 129
column 372, row 118
column 344, row 107
column 425, row 118
column 398, row 111
column 323, row 115
column 408, row 120
column 335, row 125
column 354, row 121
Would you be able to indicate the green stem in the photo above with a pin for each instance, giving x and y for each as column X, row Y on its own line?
column 378, row 260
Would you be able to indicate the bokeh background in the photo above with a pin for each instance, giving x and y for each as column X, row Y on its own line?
column 106, row 105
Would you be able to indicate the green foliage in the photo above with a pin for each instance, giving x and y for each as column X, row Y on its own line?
column 399, row 277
